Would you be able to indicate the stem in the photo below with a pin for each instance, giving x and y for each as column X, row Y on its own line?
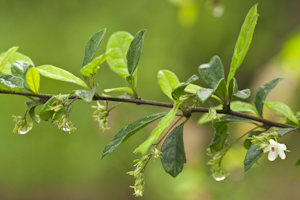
column 140, row 101
column 68, row 105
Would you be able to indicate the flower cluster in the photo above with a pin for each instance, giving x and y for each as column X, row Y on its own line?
column 212, row 113
column 138, row 174
column 101, row 115
column 217, row 173
column 268, row 142
column 156, row 153
column 22, row 126
column 64, row 124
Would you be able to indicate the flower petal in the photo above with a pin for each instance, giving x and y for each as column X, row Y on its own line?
column 281, row 147
column 272, row 142
column 281, row 154
column 272, row 155
column 268, row 148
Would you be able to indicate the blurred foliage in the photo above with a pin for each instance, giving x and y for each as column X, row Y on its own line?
column 51, row 164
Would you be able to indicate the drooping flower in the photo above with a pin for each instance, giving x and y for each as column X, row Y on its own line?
column 274, row 148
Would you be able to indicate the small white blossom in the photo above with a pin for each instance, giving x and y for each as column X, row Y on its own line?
column 275, row 149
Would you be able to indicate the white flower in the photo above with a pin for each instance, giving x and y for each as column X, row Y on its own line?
column 275, row 149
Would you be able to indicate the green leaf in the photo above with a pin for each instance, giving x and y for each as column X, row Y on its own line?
column 5, row 58
column 221, row 131
column 243, row 94
column 179, row 90
column 253, row 154
column 11, row 81
column 135, row 51
column 192, row 88
column 167, row 81
column 247, row 142
column 31, row 112
column 120, row 89
column 56, row 73
column 212, row 72
column 87, row 95
column 204, row 93
column 282, row 109
column 161, row 127
column 205, row 118
column 281, row 131
column 220, row 89
column 240, row 106
column 20, row 67
column 129, row 130
column 45, row 113
column 298, row 162
column 92, row 67
column 243, row 42
column 119, row 42
column 33, row 79
column 91, row 47
column 16, row 56
column 262, row 92
column 173, row 154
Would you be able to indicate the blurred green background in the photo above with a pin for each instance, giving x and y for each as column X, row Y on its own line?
column 48, row 163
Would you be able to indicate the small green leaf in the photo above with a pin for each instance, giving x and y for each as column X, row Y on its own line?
column 221, row 131
column 192, row 88
column 20, row 67
column 128, row 131
column 262, row 92
column 243, row 94
column 167, row 81
column 161, row 127
column 247, row 142
column 240, row 106
column 282, row 109
column 31, row 112
column 212, row 72
column 220, row 89
column 87, row 95
column 33, row 79
column 16, row 56
column 11, row 81
column 92, row 67
column 91, row 47
column 56, row 73
column 243, row 42
column 119, row 42
column 45, row 113
column 204, row 93
column 5, row 58
column 173, row 154
column 120, row 89
column 298, row 162
column 253, row 154
column 135, row 50
column 179, row 90
column 205, row 118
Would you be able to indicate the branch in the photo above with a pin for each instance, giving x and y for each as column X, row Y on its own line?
column 140, row 101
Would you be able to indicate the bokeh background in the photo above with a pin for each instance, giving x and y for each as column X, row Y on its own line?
column 48, row 163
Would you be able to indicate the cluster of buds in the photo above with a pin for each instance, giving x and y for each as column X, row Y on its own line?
column 22, row 126
column 263, row 140
column 212, row 113
column 269, row 144
column 217, row 173
column 101, row 115
column 138, row 174
column 64, row 124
